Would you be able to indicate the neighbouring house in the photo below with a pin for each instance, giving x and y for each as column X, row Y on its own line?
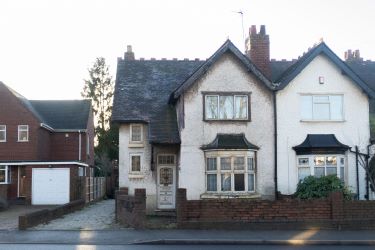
column 45, row 146
column 238, row 125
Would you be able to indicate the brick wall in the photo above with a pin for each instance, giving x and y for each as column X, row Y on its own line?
column 131, row 210
column 332, row 212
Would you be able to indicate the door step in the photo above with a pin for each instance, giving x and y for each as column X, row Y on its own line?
column 166, row 213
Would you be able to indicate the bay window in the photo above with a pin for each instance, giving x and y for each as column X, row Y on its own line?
column 230, row 172
column 322, row 107
column 226, row 106
column 321, row 165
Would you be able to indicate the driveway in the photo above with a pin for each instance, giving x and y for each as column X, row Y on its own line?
column 9, row 217
column 97, row 216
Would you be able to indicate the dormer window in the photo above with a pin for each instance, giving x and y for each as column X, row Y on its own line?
column 3, row 133
column 23, row 133
column 226, row 106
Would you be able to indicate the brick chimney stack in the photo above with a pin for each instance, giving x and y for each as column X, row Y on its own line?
column 129, row 54
column 353, row 56
column 258, row 49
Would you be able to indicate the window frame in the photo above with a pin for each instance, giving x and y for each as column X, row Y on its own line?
column 232, row 171
column 23, row 130
column 8, row 174
column 131, row 133
column 205, row 94
column 131, row 163
column 4, row 130
column 311, row 165
column 166, row 164
column 329, row 102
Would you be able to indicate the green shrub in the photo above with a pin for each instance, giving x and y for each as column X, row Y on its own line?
column 312, row 187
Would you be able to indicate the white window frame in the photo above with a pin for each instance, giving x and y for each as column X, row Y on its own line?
column 312, row 118
column 311, row 164
column 131, row 133
column 4, row 130
column 131, row 162
column 8, row 174
column 234, row 107
column 246, row 172
column 23, row 130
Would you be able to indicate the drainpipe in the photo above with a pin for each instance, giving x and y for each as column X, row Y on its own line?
column 79, row 145
column 275, row 141
column 357, row 170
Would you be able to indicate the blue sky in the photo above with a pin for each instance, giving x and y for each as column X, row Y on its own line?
column 47, row 46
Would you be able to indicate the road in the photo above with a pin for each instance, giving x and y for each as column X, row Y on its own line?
column 172, row 247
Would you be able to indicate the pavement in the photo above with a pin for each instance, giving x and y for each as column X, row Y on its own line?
column 9, row 217
column 189, row 237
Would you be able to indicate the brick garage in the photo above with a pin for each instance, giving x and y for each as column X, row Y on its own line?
column 333, row 212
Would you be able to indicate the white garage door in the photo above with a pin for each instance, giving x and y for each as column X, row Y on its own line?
column 50, row 186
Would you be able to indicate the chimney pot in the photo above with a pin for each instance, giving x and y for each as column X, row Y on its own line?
column 253, row 30
column 129, row 48
column 262, row 29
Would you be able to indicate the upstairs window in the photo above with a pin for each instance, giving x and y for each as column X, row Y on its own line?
column 225, row 106
column 23, row 133
column 136, row 131
column 322, row 107
column 3, row 133
column 135, row 162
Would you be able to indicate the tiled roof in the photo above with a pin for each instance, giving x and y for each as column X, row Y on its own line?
column 63, row 114
column 230, row 141
column 142, row 92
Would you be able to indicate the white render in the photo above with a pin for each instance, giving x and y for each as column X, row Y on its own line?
column 226, row 75
column 353, row 130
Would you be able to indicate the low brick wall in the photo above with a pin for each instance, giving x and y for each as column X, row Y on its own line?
column 46, row 215
column 329, row 213
column 131, row 210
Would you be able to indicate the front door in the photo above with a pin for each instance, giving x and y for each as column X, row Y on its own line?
column 166, row 185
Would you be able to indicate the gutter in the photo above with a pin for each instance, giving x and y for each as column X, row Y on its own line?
column 79, row 145
column 43, row 125
column 26, row 163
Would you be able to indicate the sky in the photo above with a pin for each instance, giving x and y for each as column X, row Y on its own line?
column 47, row 46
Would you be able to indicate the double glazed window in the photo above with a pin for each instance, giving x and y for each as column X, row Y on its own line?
column 226, row 106
column 23, row 133
column 321, row 165
column 5, row 175
column 230, row 174
column 322, row 107
column 3, row 133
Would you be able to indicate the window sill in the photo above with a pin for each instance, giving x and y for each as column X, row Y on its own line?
column 231, row 195
column 22, row 141
column 136, row 145
column 312, row 121
column 5, row 183
column 226, row 120
column 136, row 176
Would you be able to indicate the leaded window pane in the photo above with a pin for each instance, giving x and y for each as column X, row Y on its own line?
column 211, row 182
column 251, row 182
column 225, row 163
column 136, row 133
column 303, row 172
column 226, row 182
column 303, row 161
column 250, row 164
column 136, row 163
column 319, row 161
column 239, row 182
column 331, row 160
column 226, row 107
column 342, row 174
column 241, row 104
column 239, row 163
column 332, row 171
column 211, row 164
column 212, row 107
column 319, row 171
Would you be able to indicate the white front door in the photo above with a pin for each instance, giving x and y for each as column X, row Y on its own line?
column 166, row 186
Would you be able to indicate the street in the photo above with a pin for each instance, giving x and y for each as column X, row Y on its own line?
column 166, row 247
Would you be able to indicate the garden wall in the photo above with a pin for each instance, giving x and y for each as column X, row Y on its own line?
column 131, row 210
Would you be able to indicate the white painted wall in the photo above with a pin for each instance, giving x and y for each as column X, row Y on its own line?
column 147, row 178
column 226, row 75
column 291, row 131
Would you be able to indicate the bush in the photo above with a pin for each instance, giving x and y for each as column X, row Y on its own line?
column 312, row 187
